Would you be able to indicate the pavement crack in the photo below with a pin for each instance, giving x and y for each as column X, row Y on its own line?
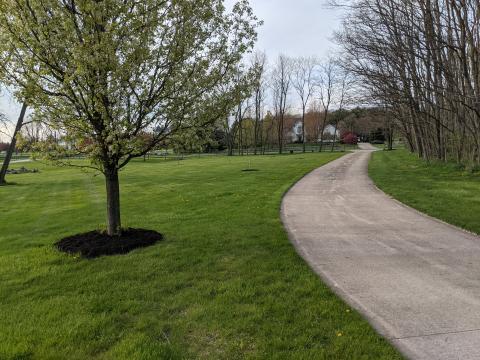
column 435, row 334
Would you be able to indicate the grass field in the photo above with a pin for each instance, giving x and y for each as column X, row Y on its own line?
column 444, row 191
column 225, row 284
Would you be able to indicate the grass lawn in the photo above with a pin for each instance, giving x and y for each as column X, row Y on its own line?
column 444, row 191
column 225, row 284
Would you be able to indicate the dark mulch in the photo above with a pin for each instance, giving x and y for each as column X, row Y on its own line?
column 95, row 243
column 22, row 170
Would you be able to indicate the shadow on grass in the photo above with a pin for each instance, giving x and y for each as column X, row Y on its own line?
column 8, row 183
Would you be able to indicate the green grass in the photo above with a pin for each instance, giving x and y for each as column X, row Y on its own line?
column 225, row 284
column 444, row 191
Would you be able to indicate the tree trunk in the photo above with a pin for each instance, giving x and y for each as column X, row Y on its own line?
column 303, row 130
column 257, row 124
column 391, row 137
column 114, row 227
column 280, row 135
column 255, row 140
column 11, row 148
column 324, row 124
column 334, row 137
column 230, row 142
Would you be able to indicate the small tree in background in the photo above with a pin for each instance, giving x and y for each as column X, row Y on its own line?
column 303, row 81
column 106, row 72
column 281, row 83
column 350, row 138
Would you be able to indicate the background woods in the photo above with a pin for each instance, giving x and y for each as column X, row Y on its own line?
column 419, row 59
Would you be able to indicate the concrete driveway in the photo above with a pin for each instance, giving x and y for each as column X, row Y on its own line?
column 416, row 279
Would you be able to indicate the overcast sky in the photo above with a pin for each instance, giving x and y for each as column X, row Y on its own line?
column 295, row 27
column 292, row 27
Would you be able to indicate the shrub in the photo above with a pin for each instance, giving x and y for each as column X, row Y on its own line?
column 350, row 138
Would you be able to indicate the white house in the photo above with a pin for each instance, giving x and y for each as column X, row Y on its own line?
column 295, row 133
column 330, row 130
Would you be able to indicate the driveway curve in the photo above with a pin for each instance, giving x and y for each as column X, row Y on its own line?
column 416, row 279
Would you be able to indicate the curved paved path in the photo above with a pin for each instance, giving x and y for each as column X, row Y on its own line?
column 416, row 279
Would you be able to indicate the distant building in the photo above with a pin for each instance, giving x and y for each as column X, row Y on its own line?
column 295, row 132
column 330, row 130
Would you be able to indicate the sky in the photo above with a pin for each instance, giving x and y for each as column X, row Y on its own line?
column 291, row 27
column 295, row 27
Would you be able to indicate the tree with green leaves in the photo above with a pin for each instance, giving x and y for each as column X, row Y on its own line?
column 105, row 72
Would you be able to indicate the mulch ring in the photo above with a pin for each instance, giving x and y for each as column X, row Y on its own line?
column 22, row 170
column 94, row 244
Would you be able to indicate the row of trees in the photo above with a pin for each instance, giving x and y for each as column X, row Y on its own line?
column 420, row 59
column 257, row 137
column 305, row 86
column 250, row 136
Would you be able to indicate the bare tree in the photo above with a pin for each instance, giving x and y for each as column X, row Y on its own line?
column 303, row 80
column 281, row 82
column 344, row 86
column 268, row 130
column 230, row 128
column 232, row 123
column 259, row 63
column 243, row 109
column 326, row 86
column 313, row 119
column 419, row 59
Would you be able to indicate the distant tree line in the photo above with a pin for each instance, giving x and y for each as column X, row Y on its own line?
column 290, row 102
column 259, row 137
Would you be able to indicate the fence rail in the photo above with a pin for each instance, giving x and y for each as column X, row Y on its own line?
column 288, row 149
column 168, row 154
column 19, row 156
